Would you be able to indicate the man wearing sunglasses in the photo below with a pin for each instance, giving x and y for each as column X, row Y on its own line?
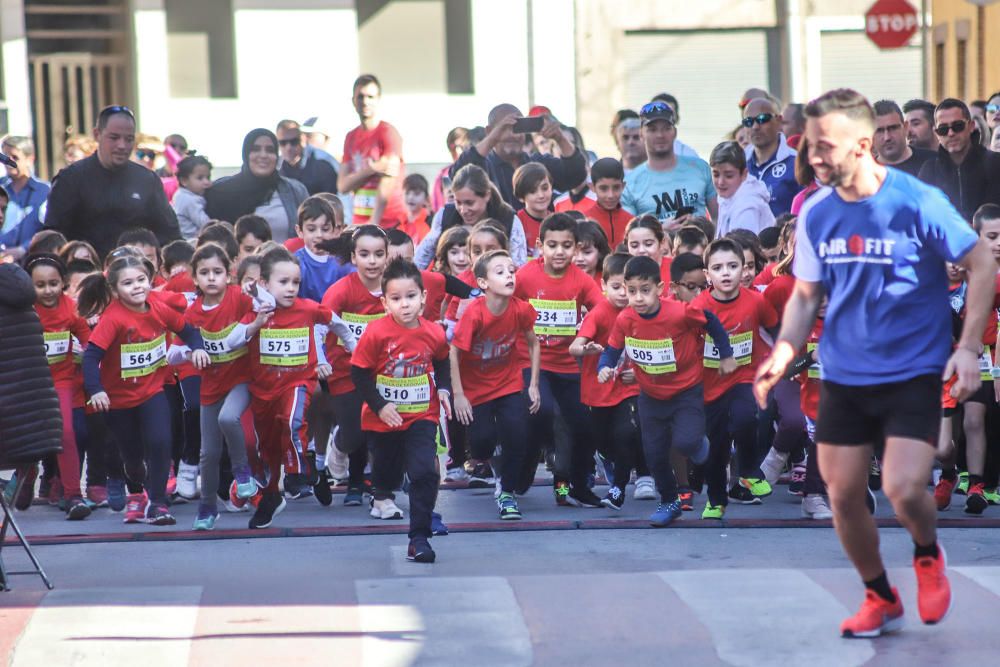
column 27, row 197
column 890, row 144
column 769, row 157
column 299, row 163
column 967, row 173
column 99, row 197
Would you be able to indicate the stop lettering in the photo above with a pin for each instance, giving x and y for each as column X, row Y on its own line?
column 891, row 23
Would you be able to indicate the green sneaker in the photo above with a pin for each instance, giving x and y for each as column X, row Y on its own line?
column 757, row 486
column 963, row 484
column 992, row 496
column 561, row 491
column 713, row 511
column 508, row 507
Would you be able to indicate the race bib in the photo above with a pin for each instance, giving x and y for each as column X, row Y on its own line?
column 218, row 350
column 742, row 345
column 409, row 395
column 364, row 201
column 554, row 318
column 653, row 357
column 986, row 368
column 815, row 369
column 358, row 323
column 142, row 359
column 284, row 347
column 57, row 346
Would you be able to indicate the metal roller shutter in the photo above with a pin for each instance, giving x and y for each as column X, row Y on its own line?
column 850, row 60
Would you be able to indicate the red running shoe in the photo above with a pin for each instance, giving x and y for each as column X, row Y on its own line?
column 942, row 493
column 135, row 508
column 686, row 499
column 933, row 589
column 875, row 617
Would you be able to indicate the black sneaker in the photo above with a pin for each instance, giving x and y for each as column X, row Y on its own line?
column 77, row 509
column 875, row 475
column 310, row 473
column 269, row 507
column 582, row 497
column 420, row 551
column 481, row 476
column 871, row 501
column 322, row 490
column 615, row 499
column 741, row 494
column 296, row 486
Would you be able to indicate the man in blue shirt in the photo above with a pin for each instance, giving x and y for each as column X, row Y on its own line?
column 875, row 242
column 769, row 158
column 27, row 195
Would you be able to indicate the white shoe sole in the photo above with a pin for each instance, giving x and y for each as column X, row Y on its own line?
column 893, row 625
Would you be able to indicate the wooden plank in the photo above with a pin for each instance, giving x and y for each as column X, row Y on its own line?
column 87, row 95
column 75, row 34
column 93, row 10
column 41, row 127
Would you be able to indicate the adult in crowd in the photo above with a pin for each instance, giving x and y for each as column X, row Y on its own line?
column 919, row 117
column 27, row 198
column 967, row 172
column 99, row 197
column 299, row 163
column 890, row 144
column 501, row 152
column 670, row 186
column 258, row 188
column 372, row 167
column 627, row 132
column 680, row 147
column 992, row 111
column 457, row 141
column 769, row 157
column 793, row 123
column 78, row 147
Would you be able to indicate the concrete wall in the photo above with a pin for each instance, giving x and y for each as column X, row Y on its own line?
column 955, row 18
column 14, row 59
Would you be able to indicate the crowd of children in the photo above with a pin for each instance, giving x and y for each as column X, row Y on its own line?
column 470, row 348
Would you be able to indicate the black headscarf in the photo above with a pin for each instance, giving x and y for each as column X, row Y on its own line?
column 237, row 195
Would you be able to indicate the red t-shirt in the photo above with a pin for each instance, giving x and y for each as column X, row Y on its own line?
column 564, row 202
column 182, row 283
column 665, row 269
column 490, row 365
column 402, row 361
column 765, row 277
column 134, row 368
column 455, row 306
column 664, row 349
column 61, row 324
column 597, row 327
column 612, row 222
column 778, row 292
column 229, row 367
column 352, row 301
column 283, row 354
column 531, row 226
column 809, row 396
column 417, row 228
column 362, row 145
column 558, row 303
column 742, row 317
column 295, row 244
column 434, row 283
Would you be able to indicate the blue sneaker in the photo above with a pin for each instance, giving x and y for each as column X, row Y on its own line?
column 207, row 516
column 116, row 494
column 354, row 496
column 437, row 525
column 665, row 514
column 246, row 485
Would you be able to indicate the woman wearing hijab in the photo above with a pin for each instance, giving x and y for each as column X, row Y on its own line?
column 258, row 189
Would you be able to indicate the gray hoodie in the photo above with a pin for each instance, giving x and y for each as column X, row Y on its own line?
column 190, row 209
column 748, row 208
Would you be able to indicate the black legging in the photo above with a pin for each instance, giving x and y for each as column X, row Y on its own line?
column 143, row 434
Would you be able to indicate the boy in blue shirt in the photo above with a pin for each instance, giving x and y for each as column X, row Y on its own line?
column 320, row 219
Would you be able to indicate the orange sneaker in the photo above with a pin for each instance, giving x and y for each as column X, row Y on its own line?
column 942, row 493
column 933, row 589
column 875, row 617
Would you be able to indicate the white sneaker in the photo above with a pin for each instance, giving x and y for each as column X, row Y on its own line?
column 386, row 509
column 187, row 481
column 336, row 463
column 815, row 507
column 497, row 490
column 456, row 475
column 773, row 465
column 645, row 489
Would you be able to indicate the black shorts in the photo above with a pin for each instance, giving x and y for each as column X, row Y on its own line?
column 864, row 415
column 984, row 394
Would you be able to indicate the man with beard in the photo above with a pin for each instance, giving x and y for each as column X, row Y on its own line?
column 919, row 117
column 890, row 144
column 875, row 241
column 628, row 138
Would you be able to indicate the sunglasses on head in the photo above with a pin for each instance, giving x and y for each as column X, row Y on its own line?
column 290, row 142
column 955, row 126
column 655, row 107
column 760, row 119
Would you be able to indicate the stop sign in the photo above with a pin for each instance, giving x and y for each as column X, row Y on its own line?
column 891, row 23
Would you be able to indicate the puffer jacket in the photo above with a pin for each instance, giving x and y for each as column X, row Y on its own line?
column 30, row 420
column 969, row 185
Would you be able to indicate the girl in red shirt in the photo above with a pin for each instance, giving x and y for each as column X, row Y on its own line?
column 124, row 370
column 533, row 187
column 644, row 237
column 61, row 323
column 401, row 370
column 591, row 249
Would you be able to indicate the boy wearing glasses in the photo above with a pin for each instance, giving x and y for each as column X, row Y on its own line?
column 769, row 157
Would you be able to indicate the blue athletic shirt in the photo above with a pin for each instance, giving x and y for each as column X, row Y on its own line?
column 881, row 261
column 661, row 193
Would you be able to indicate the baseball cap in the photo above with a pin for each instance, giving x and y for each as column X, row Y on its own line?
column 539, row 110
column 657, row 110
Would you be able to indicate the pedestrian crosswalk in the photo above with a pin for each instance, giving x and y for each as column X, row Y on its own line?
column 725, row 616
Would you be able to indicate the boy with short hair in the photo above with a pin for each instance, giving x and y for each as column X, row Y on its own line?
column 687, row 277
column 486, row 373
column 744, row 202
column 416, row 197
column 663, row 339
column 558, row 290
column 689, row 239
column 608, row 179
column 251, row 231
column 318, row 222
column 729, row 404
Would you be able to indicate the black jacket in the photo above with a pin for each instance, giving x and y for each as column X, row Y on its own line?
column 970, row 185
column 566, row 172
column 94, row 204
column 30, row 420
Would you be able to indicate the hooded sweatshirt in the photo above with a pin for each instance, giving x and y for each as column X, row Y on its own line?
column 748, row 208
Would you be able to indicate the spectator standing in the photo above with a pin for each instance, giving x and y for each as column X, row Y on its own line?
column 919, row 117
column 769, row 157
column 298, row 163
column 27, row 198
column 890, row 144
